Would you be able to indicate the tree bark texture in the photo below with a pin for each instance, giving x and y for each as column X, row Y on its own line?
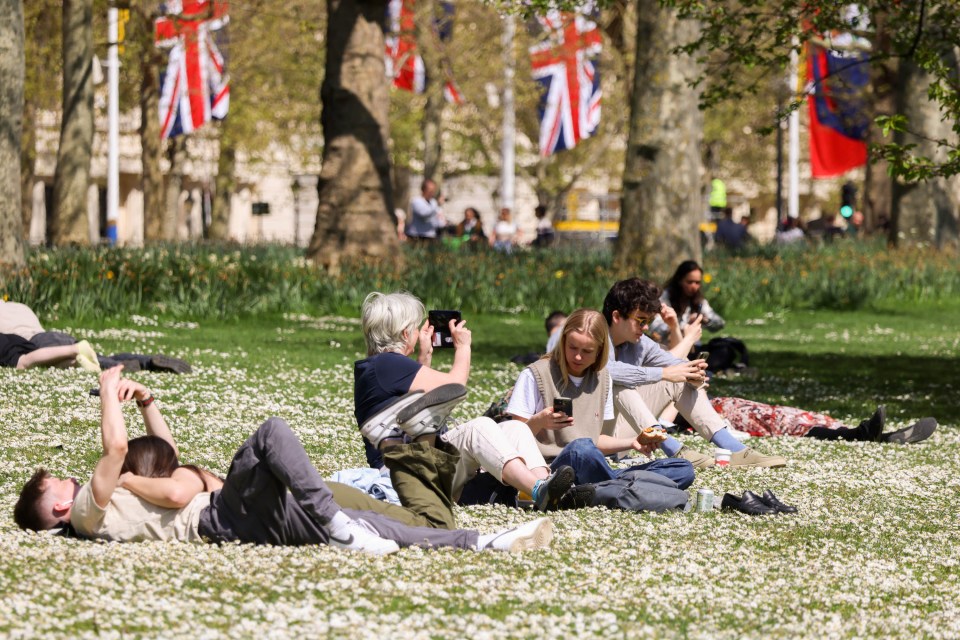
column 429, row 47
column 11, row 113
column 72, row 176
column 151, row 146
column 28, row 161
column 224, row 185
column 925, row 212
column 354, row 216
column 662, row 203
column 177, row 152
column 878, row 186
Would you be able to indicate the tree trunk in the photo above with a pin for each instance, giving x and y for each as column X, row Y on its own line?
column 28, row 162
column 177, row 152
column 925, row 212
column 72, row 176
column 878, row 186
column 354, row 216
column 429, row 47
column 224, row 185
column 662, row 204
column 11, row 113
column 151, row 146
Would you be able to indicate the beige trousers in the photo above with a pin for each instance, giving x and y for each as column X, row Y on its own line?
column 485, row 444
column 637, row 408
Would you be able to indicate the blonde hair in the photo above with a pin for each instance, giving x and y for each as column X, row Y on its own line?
column 385, row 317
column 590, row 323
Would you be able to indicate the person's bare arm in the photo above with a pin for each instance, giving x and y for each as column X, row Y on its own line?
column 428, row 379
column 152, row 418
column 174, row 492
column 691, row 335
column 113, row 434
column 548, row 419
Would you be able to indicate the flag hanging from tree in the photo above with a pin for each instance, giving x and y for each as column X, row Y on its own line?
column 564, row 63
column 195, row 86
column 404, row 65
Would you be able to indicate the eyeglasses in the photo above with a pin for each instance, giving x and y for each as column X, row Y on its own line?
column 641, row 320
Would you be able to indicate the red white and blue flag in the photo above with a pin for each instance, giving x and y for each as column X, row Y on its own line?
column 838, row 114
column 564, row 64
column 404, row 65
column 195, row 86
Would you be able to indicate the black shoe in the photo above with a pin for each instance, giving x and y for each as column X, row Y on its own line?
column 750, row 504
column 166, row 363
column 874, row 426
column 919, row 430
column 579, row 496
column 553, row 488
column 769, row 499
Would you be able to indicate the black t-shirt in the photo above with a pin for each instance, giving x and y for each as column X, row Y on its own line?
column 377, row 381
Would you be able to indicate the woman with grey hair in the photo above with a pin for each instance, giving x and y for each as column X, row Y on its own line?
column 399, row 401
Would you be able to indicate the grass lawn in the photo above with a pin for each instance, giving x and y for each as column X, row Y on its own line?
column 872, row 553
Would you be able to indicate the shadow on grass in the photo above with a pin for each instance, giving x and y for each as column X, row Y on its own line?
column 910, row 386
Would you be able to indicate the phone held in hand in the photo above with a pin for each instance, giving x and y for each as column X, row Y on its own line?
column 563, row 405
column 440, row 321
column 703, row 355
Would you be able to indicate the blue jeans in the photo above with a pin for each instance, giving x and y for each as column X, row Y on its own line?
column 591, row 465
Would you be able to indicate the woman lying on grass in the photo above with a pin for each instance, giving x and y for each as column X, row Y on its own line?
column 271, row 495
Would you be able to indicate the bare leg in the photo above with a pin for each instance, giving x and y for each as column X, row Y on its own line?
column 516, row 474
column 47, row 356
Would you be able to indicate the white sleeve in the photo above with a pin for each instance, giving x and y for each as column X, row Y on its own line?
column 526, row 399
column 608, row 405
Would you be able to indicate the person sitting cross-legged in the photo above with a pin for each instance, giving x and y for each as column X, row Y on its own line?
column 647, row 379
column 272, row 495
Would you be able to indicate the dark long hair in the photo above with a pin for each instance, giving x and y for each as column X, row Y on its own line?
column 153, row 457
column 674, row 290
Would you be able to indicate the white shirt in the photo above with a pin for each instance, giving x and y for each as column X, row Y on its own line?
column 526, row 400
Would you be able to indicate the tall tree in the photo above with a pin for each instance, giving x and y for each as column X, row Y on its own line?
column 428, row 14
column 662, row 203
column 72, row 176
column 149, row 61
column 11, row 113
column 354, row 216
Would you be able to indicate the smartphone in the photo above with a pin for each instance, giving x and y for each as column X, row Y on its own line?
column 440, row 321
column 563, row 405
column 703, row 355
column 95, row 392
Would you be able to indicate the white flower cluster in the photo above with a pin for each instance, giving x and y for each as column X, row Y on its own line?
column 872, row 553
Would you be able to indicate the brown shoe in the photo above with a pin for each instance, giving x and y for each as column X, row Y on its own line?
column 697, row 459
column 749, row 458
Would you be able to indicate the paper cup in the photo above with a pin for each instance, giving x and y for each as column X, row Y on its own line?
column 721, row 457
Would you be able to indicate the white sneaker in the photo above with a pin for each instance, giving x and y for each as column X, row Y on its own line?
column 536, row 534
column 427, row 414
column 354, row 536
column 383, row 424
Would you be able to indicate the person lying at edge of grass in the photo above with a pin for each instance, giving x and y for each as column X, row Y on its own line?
column 17, row 353
column 272, row 495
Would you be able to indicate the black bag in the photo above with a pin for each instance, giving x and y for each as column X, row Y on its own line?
column 726, row 353
column 640, row 490
column 497, row 411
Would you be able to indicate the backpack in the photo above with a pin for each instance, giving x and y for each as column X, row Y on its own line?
column 640, row 490
column 497, row 411
column 726, row 353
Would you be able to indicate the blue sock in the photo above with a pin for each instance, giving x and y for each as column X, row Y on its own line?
column 671, row 446
column 724, row 440
column 536, row 489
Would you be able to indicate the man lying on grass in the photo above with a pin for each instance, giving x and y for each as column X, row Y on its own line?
column 272, row 495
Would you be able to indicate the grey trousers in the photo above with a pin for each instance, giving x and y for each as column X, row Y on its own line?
column 274, row 495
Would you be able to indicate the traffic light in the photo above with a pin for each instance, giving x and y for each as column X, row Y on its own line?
column 848, row 200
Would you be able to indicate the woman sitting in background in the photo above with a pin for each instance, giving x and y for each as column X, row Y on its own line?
column 683, row 295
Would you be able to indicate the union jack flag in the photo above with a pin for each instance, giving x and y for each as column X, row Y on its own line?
column 195, row 86
column 564, row 65
column 404, row 64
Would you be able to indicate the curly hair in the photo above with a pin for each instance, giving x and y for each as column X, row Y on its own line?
column 632, row 294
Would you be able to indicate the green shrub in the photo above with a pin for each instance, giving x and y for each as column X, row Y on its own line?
column 227, row 280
